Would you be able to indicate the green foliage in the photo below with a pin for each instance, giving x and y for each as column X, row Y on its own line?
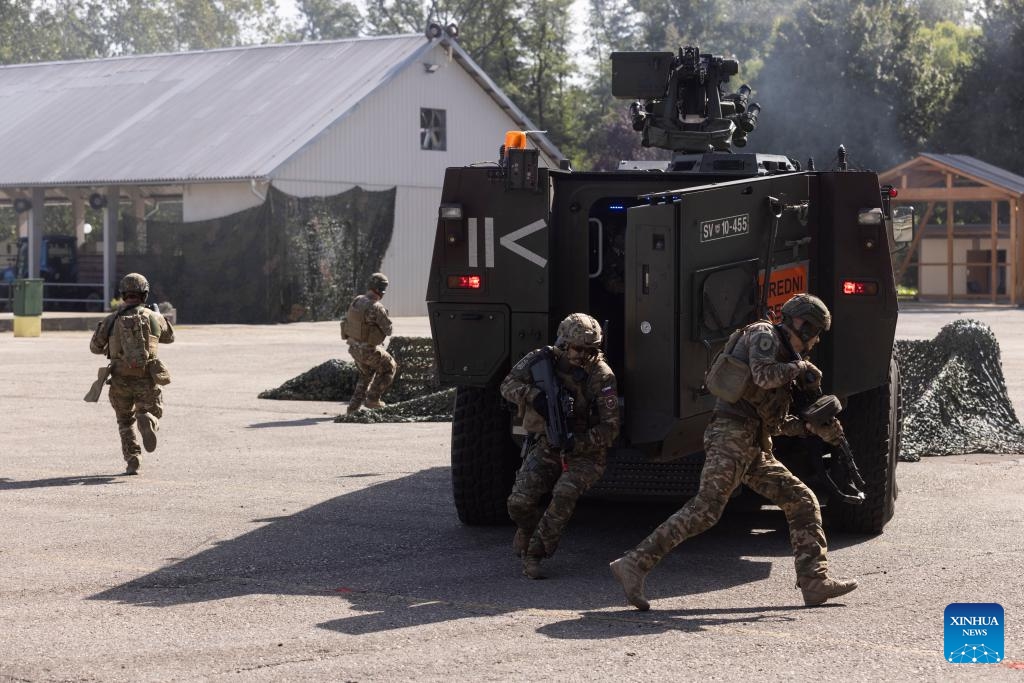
column 81, row 29
column 985, row 118
column 832, row 77
column 329, row 19
column 940, row 57
column 887, row 78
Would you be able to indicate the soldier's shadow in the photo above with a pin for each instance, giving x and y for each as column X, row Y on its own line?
column 87, row 480
column 398, row 557
column 301, row 422
column 604, row 624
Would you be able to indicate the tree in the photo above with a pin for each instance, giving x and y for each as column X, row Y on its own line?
column 329, row 19
column 985, row 119
column 524, row 47
column 32, row 31
column 833, row 76
column 941, row 55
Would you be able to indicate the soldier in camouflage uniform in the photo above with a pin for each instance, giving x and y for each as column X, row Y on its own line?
column 365, row 327
column 130, row 337
column 581, row 369
column 738, row 449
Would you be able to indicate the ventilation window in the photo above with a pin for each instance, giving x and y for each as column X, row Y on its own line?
column 433, row 131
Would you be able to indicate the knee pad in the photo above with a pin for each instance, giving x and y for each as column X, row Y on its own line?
column 519, row 507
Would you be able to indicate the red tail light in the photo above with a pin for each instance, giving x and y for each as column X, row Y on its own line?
column 465, row 282
column 860, row 288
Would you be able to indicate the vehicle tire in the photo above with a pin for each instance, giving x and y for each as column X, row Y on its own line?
column 872, row 422
column 484, row 456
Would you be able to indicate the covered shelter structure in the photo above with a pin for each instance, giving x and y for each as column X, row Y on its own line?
column 250, row 184
column 968, row 244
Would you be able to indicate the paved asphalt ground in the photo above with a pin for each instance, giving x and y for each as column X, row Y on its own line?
column 263, row 542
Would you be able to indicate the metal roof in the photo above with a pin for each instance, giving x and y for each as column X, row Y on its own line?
column 981, row 171
column 214, row 115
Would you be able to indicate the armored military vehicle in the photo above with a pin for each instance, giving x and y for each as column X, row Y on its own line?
column 671, row 256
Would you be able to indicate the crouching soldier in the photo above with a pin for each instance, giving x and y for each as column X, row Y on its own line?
column 591, row 425
column 365, row 327
column 130, row 337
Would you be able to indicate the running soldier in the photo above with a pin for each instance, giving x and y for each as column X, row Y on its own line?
column 130, row 337
column 738, row 448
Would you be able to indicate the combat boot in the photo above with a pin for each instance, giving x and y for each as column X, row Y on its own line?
column 817, row 590
column 531, row 567
column 375, row 404
column 132, row 465
column 148, row 427
column 631, row 576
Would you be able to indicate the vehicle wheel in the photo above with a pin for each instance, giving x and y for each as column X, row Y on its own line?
column 484, row 456
column 872, row 422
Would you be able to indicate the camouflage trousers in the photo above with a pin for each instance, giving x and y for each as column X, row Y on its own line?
column 541, row 474
column 376, row 372
column 130, row 396
column 734, row 456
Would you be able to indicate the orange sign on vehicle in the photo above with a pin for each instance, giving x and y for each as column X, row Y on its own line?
column 787, row 280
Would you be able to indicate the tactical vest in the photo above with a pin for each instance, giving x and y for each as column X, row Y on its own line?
column 356, row 327
column 769, row 405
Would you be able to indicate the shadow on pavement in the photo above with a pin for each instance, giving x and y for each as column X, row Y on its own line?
column 592, row 625
column 397, row 554
column 11, row 484
column 302, row 422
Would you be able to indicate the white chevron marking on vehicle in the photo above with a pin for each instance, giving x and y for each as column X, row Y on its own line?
column 510, row 242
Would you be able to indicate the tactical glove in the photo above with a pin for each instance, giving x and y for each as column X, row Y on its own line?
column 829, row 433
column 809, row 378
column 792, row 426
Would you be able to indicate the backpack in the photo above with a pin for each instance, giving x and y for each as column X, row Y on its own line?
column 133, row 333
column 727, row 377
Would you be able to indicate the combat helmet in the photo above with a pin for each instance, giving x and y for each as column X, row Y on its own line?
column 812, row 310
column 135, row 283
column 579, row 329
column 378, row 283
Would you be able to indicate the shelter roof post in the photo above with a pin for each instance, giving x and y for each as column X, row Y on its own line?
column 35, row 231
column 110, row 236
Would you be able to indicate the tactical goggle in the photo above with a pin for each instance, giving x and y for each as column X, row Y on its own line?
column 585, row 350
column 808, row 331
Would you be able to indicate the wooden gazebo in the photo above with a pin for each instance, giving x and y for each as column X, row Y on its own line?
column 968, row 244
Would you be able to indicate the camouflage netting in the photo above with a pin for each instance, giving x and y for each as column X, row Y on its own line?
column 289, row 259
column 415, row 395
column 954, row 395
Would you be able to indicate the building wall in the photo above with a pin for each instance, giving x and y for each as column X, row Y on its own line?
column 377, row 145
column 203, row 201
column 933, row 280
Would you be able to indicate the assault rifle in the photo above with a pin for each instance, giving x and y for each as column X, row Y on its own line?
column 559, row 402
column 820, row 410
column 93, row 395
column 820, row 413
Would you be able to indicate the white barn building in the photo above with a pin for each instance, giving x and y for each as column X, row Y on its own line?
column 216, row 129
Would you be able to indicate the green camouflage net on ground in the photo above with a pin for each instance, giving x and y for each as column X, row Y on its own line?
column 954, row 395
column 415, row 396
